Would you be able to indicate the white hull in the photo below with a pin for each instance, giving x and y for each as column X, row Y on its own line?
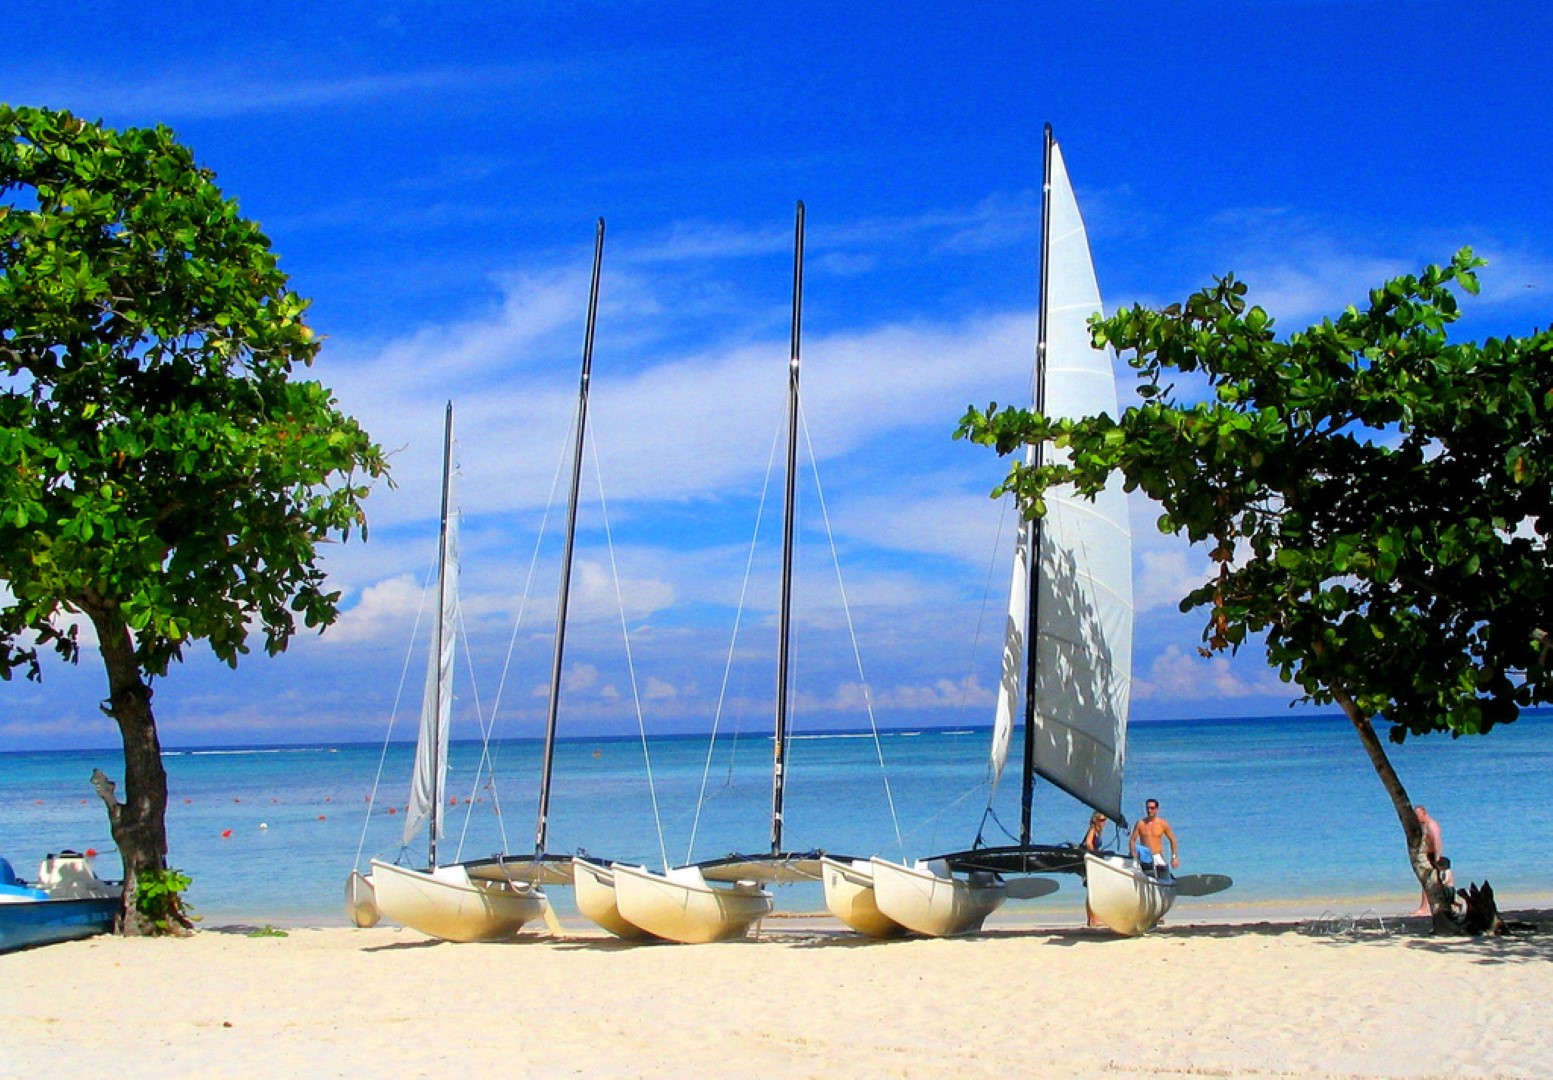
column 594, row 887
column 849, row 894
column 361, row 901
column 931, row 902
column 446, row 904
column 681, row 906
column 1124, row 897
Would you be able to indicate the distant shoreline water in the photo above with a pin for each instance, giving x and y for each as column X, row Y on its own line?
column 1287, row 806
column 654, row 739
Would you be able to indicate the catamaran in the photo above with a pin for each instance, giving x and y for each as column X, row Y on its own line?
column 1067, row 656
column 491, row 898
column 720, row 899
column 443, row 901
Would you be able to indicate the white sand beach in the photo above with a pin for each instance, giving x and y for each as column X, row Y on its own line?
column 806, row 999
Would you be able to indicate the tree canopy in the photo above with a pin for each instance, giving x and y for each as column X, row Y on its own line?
column 1377, row 499
column 154, row 453
column 161, row 473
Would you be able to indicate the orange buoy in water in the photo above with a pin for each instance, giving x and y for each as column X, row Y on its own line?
column 322, row 818
column 226, row 834
column 91, row 853
column 393, row 809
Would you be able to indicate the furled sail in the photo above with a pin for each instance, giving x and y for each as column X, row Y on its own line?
column 431, row 747
column 1084, row 574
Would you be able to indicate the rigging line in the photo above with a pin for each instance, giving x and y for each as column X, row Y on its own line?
column 733, row 751
column 857, row 654
column 993, row 815
column 934, row 820
column 625, row 635
column 733, row 641
column 393, row 715
column 517, row 625
column 485, row 738
column 485, row 762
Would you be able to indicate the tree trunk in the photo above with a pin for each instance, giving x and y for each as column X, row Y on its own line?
column 139, row 822
column 1418, row 855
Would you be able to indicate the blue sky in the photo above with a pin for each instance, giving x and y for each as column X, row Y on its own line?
column 430, row 175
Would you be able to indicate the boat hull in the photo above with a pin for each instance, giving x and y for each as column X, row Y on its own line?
column 361, row 901
column 1124, row 897
column 448, row 904
column 933, row 901
column 26, row 922
column 682, row 906
column 849, row 895
column 594, row 887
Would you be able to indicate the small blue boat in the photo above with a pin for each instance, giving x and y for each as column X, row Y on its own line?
column 69, row 902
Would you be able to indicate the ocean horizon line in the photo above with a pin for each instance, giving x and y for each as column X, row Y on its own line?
column 903, row 731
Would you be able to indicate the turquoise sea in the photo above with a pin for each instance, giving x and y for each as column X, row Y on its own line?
column 1287, row 807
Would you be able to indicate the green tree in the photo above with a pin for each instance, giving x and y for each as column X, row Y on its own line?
column 1376, row 499
column 161, row 475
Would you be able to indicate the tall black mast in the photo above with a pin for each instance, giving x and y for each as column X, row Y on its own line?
column 784, row 626
column 442, row 591
column 566, row 558
column 1032, row 569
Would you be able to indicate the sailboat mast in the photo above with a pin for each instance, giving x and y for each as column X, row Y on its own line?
column 434, row 828
column 1033, row 634
column 543, row 824
column 784, row 626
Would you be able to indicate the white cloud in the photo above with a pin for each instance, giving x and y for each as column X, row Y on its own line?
column 1174, row 675
column 966, row 693
column 388, row 607
column 1162, row 578
column 657, row 689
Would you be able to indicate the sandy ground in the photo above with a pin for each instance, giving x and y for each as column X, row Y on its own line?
column 1326, row 997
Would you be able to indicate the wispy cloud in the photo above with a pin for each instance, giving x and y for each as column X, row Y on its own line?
column 256, row 89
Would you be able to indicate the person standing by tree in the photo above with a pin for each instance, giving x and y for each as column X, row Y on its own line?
column 1434, row 848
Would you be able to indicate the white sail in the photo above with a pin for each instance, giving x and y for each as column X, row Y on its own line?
column 431, row 747
column 1011, row 677
column 1084, row 606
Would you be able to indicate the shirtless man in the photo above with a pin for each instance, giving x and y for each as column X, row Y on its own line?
column 1434, row 847
column 1154, row 830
